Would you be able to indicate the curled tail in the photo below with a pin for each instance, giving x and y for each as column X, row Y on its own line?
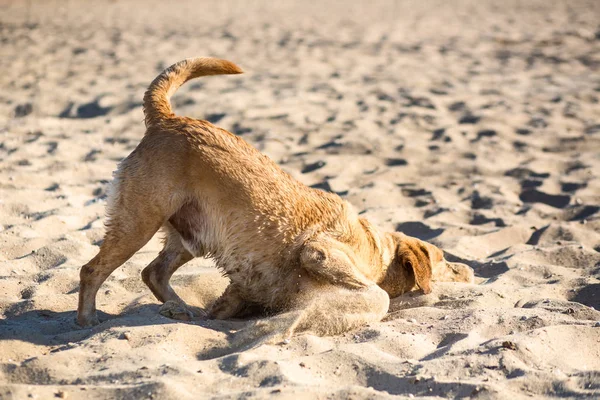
column 157, row 107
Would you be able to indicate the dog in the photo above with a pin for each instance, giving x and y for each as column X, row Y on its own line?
column 301, row 253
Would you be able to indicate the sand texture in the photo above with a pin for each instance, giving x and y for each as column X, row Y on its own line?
column 472, row 124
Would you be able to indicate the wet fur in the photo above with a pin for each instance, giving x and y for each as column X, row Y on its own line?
column 284, row 246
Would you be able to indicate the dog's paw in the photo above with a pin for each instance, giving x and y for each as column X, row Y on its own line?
column 221, row 311
column 87, row 321
column 175, row 310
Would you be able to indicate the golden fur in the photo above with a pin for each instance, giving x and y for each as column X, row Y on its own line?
column 284, row 246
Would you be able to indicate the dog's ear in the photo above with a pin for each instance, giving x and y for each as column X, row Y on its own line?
column 414, row 255
column 422, row 271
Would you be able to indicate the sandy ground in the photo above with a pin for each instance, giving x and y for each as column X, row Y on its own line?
column 472, row 124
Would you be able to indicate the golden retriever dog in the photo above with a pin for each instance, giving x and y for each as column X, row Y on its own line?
column 298, row 252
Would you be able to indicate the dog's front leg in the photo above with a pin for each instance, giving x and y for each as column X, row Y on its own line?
column 330, row 261
column 228, row 305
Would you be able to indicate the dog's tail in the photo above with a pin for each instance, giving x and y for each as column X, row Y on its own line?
column 157, row 107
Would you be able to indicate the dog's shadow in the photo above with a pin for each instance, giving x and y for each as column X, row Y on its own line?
column 58, row 330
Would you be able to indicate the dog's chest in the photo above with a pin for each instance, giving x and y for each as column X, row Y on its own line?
column 252, row 253
column 263, row 277
column 265, row 283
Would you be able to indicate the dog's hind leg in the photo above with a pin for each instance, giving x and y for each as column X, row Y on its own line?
column 158, row 273
column 137, row 207
column 128, row 231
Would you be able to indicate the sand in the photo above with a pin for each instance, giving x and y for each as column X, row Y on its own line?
column 472, row 124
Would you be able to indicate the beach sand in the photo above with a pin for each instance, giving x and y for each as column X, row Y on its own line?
column 474, row 125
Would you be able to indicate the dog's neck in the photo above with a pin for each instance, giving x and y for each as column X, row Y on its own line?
column 377, row 250
column 387, row 253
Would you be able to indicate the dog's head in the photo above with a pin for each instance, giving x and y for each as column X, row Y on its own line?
column 415, row 264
